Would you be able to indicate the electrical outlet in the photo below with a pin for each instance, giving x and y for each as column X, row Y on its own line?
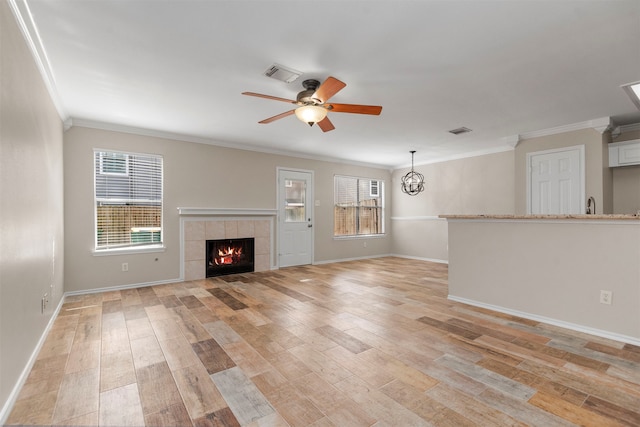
column 45, row 301
column 125, row 266
column 606, row 297
column 364, row 244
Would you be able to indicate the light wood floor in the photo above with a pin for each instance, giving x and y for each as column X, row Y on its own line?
column 362, row 343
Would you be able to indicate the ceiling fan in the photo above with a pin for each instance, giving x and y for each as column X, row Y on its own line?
column 313, row 106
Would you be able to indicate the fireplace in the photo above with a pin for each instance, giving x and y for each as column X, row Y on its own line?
column 197, row 225
column 229, row 256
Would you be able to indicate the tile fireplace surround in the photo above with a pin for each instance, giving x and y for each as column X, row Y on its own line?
column 197, row 225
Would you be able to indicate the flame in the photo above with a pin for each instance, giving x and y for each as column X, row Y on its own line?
column 228, row 256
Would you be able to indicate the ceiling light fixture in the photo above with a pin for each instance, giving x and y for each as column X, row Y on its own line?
column 633, row 90
column 412, row 182
column 311, row 114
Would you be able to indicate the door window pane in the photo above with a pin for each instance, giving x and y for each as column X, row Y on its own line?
column 295, row 196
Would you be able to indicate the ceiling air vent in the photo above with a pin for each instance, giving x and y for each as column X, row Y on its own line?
column 460, row 130
column 282, row 73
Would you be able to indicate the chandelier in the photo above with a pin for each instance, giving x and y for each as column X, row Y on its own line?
column 412, row 182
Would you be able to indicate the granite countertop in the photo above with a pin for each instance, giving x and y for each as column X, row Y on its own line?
column 616, row 217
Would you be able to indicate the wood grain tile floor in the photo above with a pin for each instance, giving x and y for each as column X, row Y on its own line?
column 360, row 343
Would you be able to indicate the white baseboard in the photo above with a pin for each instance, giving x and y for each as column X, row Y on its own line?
column 331, row 261
column 439, row 261
column 555, row 322
column 13, row 396
column 122, row 287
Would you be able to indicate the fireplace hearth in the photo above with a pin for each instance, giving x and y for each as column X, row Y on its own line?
column 229, row 256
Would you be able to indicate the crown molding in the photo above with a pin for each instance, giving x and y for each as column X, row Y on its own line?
column 441, row 159
column 629, row 128
column 512, row 141
column 27, row 26
column 601, row 125
column 78, row 122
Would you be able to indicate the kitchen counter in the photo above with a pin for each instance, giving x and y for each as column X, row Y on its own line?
column 550, row 268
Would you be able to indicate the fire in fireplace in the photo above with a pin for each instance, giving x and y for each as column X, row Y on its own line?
column 229, row 256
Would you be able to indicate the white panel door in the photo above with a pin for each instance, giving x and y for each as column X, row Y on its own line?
column 556, row 181
column 295, row 218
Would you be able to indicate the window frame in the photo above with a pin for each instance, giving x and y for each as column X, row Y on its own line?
column 380, row 196
column 147, row 247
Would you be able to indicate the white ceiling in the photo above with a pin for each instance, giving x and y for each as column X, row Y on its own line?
column 501, row 68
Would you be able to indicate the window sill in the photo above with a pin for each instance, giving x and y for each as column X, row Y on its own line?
column 130, row 250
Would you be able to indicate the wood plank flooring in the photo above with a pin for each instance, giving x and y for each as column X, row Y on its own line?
column 360, row 343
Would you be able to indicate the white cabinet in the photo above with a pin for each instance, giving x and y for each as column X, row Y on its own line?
column 624, row 153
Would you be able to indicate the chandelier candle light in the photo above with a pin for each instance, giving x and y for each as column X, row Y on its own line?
column 412, row 182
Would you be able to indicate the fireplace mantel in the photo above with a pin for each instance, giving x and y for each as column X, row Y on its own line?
column 226, row 212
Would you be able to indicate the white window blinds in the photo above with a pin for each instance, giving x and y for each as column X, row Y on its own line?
column 128, row 199
column 358, row 206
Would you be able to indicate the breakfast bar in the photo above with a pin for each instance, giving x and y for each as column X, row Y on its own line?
column 576, row 271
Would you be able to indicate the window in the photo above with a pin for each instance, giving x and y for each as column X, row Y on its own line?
column 358, row 206
column 128, row 199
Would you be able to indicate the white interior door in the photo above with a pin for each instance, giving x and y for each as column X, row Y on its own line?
column 295, row 218
column 556, row 181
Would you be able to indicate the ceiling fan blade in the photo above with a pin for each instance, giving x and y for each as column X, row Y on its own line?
column 275, row 98
column 326, row 125
column 330, row 87
column 278, row 117
column 355, row 108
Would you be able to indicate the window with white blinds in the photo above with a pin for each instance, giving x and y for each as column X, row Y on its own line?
column 358, row 206
column 128, row 199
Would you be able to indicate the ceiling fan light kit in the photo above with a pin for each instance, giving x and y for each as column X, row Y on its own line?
column 313, row 106
column 311, row 114
column 412, row 182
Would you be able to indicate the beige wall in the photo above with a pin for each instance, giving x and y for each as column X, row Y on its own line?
column 475, row 185
column 31, row 210
column 195, row 175
column 597, row 173
column 626, row 183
